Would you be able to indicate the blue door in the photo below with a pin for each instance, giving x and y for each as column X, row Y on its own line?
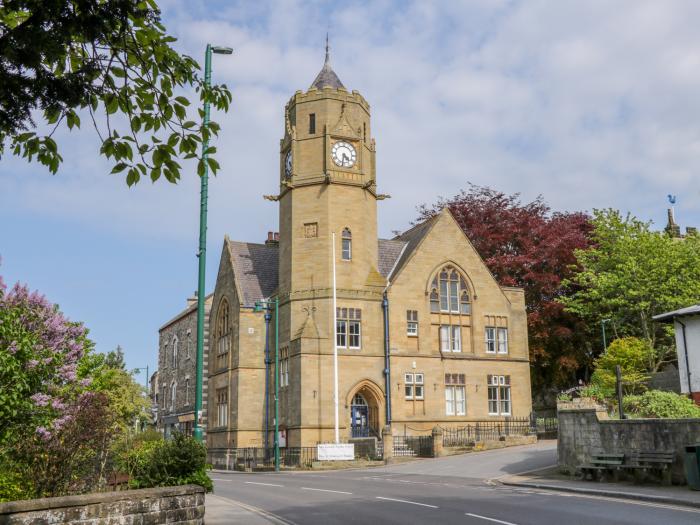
column 359, row 420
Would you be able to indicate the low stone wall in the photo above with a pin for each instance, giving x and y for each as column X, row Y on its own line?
column 584, row 431
column 172, row 505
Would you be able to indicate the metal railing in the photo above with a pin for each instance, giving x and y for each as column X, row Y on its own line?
column 416, row 446
column 260, row 458
column 485, row 430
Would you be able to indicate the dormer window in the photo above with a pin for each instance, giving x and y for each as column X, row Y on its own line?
column 346, row 245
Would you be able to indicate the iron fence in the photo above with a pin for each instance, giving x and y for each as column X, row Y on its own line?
column 417, row 446
column 545, row 427
column 260, row 458
column 485, row 430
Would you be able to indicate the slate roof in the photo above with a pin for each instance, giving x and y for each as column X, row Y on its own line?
column 412, row 239
column 389, row 252
column 327, row 77
column 669, row 316
column 256, row 270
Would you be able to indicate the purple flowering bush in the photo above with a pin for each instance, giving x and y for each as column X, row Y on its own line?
column 62, row 405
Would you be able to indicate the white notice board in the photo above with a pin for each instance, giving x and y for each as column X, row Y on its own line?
column 336, row 452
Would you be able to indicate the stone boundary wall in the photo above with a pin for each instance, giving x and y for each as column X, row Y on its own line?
column 585, row 431
column 173, row 505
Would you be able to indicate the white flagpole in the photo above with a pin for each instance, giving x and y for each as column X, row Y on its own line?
column 335, row 345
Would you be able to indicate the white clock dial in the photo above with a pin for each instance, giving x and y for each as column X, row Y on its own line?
column 288, row 164
column 343, row 154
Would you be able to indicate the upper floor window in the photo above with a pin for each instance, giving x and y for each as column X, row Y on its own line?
column 173, row 394
column 348, row 328
column 223, row 335
column 412, row 322
column 449, row 292
column 221, row 407
column 346, row 244
column 450, row 338
column 496, row 339
column 189, row 345
column 284, row 367
column 175, row 345
column 312, row 123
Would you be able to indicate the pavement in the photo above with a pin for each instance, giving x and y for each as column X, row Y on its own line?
column 479, row 488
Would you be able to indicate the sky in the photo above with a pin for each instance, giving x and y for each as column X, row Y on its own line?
column 590, row 104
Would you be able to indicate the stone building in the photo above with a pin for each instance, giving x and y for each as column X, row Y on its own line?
column 424, row 333
column 177, row 361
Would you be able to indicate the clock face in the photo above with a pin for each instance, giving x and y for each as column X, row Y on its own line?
column 288, row 164
column 343, row 154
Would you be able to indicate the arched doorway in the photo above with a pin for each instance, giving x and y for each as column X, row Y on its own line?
column 359, row 417
column 365, row 403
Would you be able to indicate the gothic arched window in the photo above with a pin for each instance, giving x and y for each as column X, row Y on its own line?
column 223, row 334
column 346, row 244
column 449, row 292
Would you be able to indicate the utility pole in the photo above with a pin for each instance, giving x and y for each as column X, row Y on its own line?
column 202, row 253
column 269, row 305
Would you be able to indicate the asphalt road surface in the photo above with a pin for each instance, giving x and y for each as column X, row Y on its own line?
column 443, row 490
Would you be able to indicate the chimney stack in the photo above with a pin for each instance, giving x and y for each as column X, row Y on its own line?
column 192, row 300
column 273, row 239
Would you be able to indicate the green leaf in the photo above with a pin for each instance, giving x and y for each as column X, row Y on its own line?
column 120, row 166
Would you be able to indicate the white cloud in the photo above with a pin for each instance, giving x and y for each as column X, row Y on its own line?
column 591, row 104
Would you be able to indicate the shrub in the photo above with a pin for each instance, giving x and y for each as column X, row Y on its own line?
column 633, row 355
column 178, row 461
column 659, row 404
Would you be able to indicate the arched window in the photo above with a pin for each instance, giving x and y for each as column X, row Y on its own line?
column 449, row 292
column 346, row 244
column 175, row 345
column 223, row 335
column 173, row 394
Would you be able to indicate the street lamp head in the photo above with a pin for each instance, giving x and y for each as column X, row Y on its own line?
column 258, row 307
column 221, row 50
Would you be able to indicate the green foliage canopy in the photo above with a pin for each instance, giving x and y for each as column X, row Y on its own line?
column 631, row 274
column 656, row 403
column 633, row 355
column 113, row 60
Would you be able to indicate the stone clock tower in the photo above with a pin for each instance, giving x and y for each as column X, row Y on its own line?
column 327, row 185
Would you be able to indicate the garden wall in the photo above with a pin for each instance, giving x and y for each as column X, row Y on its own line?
column 584, row 431
column 172, row 505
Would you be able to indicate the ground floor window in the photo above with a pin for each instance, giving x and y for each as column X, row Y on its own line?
column 455, row 398
column 413, row 385
column 499, row 395
column 222, row 407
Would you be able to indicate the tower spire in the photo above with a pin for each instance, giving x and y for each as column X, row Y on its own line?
column 327, row 77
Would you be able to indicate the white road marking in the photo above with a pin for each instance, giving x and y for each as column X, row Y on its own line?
column 327, row 490
column 411, row 502
column 266, row 484
column 220, row 479
column 490, row 519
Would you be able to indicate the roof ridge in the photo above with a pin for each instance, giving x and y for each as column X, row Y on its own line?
column 422, row 223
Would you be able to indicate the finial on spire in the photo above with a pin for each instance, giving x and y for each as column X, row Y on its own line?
column 328, row 57
column 327, row 77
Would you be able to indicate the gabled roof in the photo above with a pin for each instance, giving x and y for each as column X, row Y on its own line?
column 327, row 77
column 670, row 316
column 411, row 239
column 191, row 308
column 256, row 268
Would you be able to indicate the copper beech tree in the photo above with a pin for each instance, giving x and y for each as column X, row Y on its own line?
column 528, row 245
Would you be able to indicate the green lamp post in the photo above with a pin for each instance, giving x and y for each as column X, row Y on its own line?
column 202, row 253
column 269, row 305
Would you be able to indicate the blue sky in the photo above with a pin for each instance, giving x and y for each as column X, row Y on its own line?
column 591, row 104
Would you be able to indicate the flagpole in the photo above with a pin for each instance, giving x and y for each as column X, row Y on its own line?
column 335, row 345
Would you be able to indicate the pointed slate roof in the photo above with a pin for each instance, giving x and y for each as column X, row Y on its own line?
column 411, row 239
column 256, row 270
column 327, row 77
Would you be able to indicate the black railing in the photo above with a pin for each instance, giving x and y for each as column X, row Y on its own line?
column 545, row 427
column 261, row 458
column 416, row 446
column 485, row 430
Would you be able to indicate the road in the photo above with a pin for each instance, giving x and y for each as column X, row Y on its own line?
column 443, row 490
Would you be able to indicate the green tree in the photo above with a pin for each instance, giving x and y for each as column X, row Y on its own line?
column 656, row 403
column 634, row 357
column 631, row 274
column 113, row 60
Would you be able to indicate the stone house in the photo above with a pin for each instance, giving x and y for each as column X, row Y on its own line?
column 177, row 362
column 424, row 334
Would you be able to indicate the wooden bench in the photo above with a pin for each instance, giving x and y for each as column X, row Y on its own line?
column 601, row 465
column 648, row 461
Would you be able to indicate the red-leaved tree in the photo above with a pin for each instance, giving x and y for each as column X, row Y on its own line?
column 529, row 246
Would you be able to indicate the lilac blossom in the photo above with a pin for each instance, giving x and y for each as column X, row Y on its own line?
column 43, row 433
column 40, row 399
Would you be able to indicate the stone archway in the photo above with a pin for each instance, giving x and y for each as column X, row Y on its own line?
column 365, row 404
